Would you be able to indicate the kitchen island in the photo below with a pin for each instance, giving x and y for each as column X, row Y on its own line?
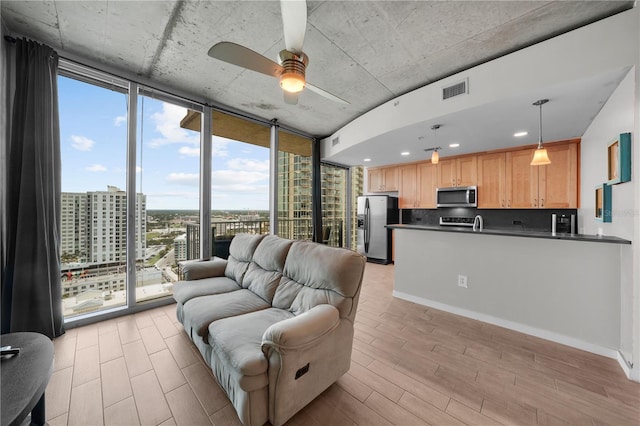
column 563, row 287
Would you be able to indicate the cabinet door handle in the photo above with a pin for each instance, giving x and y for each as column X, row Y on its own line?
column 502, row 204
column 535, row 202
column 459, row 181
column 541, row 202
column 508, row 203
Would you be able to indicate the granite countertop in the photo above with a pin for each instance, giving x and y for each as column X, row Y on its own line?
column 516, row 233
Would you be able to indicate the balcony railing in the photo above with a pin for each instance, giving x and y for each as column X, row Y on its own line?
column 294, row 229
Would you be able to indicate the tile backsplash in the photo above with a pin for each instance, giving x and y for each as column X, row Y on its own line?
column 516, row 219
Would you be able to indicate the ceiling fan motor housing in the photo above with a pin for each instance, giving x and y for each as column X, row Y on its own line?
column 293, row 65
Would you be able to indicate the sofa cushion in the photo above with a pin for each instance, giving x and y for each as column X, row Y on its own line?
column 184, row 291
column 201, row 311
column 265, row 270
column 241, row 252
column 238, row 339
column 315, row 274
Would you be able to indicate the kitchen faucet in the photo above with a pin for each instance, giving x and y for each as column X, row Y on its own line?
column 478, row 223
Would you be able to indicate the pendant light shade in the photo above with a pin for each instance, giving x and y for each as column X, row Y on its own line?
column 435, row 157
column 540, row 156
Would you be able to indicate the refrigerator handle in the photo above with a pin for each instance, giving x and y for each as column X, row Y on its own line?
column 367, row 213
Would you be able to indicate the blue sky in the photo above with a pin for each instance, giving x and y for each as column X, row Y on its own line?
column 93, row 135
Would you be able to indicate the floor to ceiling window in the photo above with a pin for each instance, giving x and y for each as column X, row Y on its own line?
column 93, row 136
column 167, row 195
column 144, row 153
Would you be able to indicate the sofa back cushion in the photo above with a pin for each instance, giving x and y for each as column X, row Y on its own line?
column 241, row 252
column 266, row 266
column 315, row 274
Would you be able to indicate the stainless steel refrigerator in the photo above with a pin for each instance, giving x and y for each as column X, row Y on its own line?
column 374, row 240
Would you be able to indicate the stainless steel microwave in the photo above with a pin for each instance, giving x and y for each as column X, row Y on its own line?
column 458, row 196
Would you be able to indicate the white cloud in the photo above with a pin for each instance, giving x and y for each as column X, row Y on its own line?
column 96, row 168
column 248, row 164
column 167, row 123
column 119, row 120
column 184, row 178
column 139, row 169
column 82, row 143
column 239, row 181
column 189, row 151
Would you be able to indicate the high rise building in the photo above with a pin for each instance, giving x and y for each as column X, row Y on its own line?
column 294, row 198
column 74, row 227
column 94, row 227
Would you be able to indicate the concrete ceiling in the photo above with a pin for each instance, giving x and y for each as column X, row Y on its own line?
column 365, row 52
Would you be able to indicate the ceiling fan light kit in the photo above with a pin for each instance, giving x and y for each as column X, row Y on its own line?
column 293, row 65
column 293, row 62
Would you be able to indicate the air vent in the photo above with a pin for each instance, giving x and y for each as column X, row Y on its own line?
column 460, row 88
column 335, row 141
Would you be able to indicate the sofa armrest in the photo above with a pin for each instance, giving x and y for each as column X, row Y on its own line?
column 303, row 329
column 197, row 269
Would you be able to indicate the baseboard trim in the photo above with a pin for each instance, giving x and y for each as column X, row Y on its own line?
column 512, row 325
column 626, row 367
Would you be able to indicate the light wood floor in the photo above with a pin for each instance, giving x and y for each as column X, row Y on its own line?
column 411, row 365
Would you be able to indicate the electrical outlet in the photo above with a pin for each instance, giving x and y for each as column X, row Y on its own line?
column 462, row 281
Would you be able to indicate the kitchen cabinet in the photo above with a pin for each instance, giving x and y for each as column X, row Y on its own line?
column 427, row 184
column 417, row 187
column 551, row 186
column 460, row 171
column 492, row 192
column 408, row 191
column 383, row 179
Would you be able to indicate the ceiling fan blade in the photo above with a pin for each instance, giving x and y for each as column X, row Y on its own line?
column 290, row 98
column 246, row 58
column 294, row 23
column 326, row 94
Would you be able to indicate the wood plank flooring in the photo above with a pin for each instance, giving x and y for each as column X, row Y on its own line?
column 411, row 365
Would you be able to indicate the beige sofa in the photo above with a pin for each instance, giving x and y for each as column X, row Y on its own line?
column 274, row 321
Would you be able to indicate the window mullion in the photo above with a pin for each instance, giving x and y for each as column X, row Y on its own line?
column 132, row 122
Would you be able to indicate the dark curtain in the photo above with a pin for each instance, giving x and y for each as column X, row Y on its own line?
column 31, row 291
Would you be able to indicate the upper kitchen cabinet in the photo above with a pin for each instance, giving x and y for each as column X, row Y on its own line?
column 460, row 171
column 492, row 193
column 383, row 179
column 552, row 186
column 558, row 181
column 427, row 185
column 417, row 187
column 408, row 192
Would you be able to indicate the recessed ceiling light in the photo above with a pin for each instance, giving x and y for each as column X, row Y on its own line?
column 405, row 153
column 366, row 160
column 454, row 145
column 520, row 134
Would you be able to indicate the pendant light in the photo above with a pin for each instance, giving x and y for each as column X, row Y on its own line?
column 540, row 156
column 435, row 157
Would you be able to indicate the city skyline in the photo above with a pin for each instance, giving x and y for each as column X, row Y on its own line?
column 93, row 134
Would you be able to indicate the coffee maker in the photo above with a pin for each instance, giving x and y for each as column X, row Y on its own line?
column 563, row 223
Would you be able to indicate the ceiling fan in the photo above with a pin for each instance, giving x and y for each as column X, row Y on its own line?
column 293, row 61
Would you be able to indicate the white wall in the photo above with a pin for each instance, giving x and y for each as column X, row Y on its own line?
column 565, row 291
column 617, row 116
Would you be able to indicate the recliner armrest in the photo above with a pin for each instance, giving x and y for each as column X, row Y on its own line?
column 302, row 330
column 197, row 269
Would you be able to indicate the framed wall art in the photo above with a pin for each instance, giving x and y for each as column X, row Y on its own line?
column 619, row 159
column 603, row 203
